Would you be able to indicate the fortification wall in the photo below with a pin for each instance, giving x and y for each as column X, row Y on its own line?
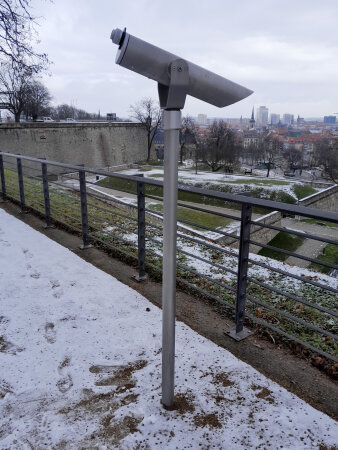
column 95, row 145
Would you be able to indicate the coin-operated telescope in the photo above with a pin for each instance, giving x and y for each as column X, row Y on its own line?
column 176, row 79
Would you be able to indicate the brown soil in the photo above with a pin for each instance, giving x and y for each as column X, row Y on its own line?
column 276, row 362
column 207, row 420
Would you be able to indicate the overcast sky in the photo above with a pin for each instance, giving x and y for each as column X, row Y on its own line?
column 286, row 52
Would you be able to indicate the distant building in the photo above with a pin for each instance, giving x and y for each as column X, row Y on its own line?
column 111, row 116
column 330, row 119
column 250, row 138
column 288, row 119
column 252, row 121
column 202, row 119
column 300, row 120
column 262, row 115
column 274, row 119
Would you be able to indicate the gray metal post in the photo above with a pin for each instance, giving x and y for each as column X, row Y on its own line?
column 172, row 124
column 21, row 186
column 3, row 183
column 84, row 213
column 46, row 195
column 240, row 332
column 141, row 231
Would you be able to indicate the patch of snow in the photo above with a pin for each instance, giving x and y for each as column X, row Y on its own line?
column 81, row 367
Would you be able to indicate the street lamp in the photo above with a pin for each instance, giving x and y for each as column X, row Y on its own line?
column 176, row 79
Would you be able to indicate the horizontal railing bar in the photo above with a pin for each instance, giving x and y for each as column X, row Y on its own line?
column 284, row 207
column 291, row 337
column 113, row 247
column 202, row 291
column 127, row 230
column 214, row 213
column 292, row 297
column 291, row 317
column 112, row 213
column 75, row 198
column 212, row 280
column 214, row 230
column 207, row 261
column 73, row 208
column 297, row 233
column 107, row 233
column 78, row 220
column 206, row 244
column 295, row 255
column 291, row 275
column 196, row 257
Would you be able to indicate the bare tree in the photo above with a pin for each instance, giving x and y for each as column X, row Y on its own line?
column 219, row 147
column 187, row 135
column 326, row 154
column 15, row 79
column 149, row 114
column 17, row 31
column 37, row 100
column 271, row 148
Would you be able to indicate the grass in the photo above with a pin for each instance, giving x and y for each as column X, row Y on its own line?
column 267, row 182
column 104, row 222
column 284, row 241
column 196, row 217
column 316, row 221
column 329, row 255
column 303, row 190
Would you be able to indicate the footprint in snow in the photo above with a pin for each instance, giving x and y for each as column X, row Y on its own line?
column 65, row 382
column 50, row 333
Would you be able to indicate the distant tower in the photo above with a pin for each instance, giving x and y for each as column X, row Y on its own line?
column 252, row 120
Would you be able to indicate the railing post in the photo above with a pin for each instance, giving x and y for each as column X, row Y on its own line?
column 46, row 195
column 240, row 332
column 141, row 231
column 21, row 186
column 3, row 183
column 84, row 213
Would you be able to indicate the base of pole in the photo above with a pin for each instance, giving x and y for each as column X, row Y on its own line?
column 48, row 226
column 241, row 335
column 85, row 246
column 139, row 279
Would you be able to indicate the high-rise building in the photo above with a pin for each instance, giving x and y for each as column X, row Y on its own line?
column 202, row 119
column 329, row 119
column 262, row 115
column 274, row 119
column 287, row 119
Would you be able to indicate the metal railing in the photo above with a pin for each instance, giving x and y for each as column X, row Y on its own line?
column 295, row 303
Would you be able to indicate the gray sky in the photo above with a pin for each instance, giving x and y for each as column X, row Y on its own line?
column 286, row 52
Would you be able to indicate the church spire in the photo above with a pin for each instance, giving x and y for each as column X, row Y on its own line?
column 252, row 120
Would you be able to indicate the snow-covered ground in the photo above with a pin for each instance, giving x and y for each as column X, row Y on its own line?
column 80, row 367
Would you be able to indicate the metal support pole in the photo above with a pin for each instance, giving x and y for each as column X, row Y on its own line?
column 46, row 195
column 141, row 231
column 84, row 213
column 240, row 332
column 172, row 124
column 21, row 186
column 3, row 183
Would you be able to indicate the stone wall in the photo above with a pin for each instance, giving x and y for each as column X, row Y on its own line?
column 326, row 199
column 96, row 145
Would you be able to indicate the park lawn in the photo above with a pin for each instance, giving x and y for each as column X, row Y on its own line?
column 315, row 221
column 329, row 255
column 196, row 217
column 303, row 190
column 284, row 241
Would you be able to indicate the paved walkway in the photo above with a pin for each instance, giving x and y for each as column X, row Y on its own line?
column 310, row 247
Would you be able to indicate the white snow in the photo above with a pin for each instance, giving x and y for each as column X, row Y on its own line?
column 80, row 367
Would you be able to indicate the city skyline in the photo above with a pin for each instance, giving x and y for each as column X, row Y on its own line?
column 290, row 64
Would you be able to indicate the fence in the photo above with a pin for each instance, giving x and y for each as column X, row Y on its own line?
column 288, row 301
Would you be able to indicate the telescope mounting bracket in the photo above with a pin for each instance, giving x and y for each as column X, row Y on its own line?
column 173, row 97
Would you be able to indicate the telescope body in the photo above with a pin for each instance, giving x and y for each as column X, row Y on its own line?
column 153, row 62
